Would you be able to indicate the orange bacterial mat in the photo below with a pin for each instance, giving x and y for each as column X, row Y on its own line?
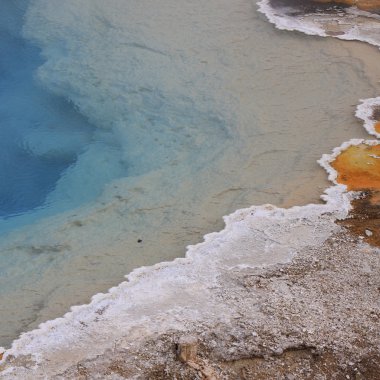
column 358, row 167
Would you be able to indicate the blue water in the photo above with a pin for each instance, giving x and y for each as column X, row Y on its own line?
column 25, row 177
column 41, row 135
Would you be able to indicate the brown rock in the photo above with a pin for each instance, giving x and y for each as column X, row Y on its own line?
column 365, row 5
column 187, row 349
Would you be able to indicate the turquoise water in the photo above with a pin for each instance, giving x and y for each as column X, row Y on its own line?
column 30, row 164
column 134, row 126
column 41, row 134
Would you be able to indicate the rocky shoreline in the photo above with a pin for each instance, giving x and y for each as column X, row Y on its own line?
column 315, row 318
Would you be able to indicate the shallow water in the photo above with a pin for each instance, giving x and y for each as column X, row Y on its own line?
column 199, row 109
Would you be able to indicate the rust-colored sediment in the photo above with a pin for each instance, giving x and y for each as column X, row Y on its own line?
column 377, row 127
column 358, row 168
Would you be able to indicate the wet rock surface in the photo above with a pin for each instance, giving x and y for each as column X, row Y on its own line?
column 314, row 5
column 365, row 5
column 364, row 219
